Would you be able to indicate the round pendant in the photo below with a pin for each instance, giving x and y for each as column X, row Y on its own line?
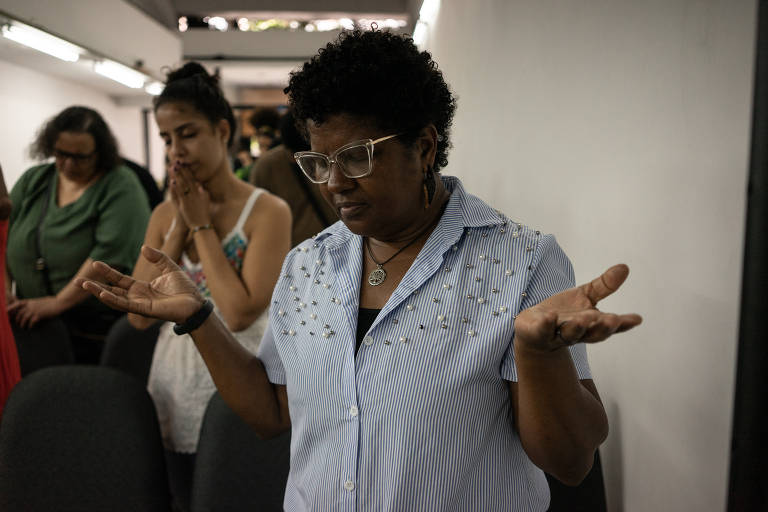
column 377, row 276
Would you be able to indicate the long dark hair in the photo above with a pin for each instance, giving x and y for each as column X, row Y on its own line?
column 192, row 84
column 78, row 119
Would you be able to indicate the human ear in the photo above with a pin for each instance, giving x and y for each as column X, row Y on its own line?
column 224, row 130
column 427, row 144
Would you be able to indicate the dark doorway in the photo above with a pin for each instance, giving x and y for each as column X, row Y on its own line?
column 748, row 490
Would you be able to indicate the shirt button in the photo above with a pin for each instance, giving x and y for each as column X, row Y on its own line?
column 353, row 411
column 349, row 485
column 368, row 340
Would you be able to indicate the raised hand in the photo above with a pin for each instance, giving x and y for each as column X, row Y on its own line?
column 172, row 296
column 179, row 226
column 571, row 316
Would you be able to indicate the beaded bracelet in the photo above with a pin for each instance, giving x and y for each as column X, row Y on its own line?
column 200, row 228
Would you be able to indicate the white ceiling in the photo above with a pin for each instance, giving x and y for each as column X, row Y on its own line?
column 245, row 60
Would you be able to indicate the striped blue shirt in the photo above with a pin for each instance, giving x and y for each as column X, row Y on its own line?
column 420, row 418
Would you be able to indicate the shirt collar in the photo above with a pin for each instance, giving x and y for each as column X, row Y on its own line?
column 463, row 211
column 472, row 211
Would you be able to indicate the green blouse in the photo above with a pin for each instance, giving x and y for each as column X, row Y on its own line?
column 106, row 223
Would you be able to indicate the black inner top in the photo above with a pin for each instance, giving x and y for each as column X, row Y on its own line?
column 365, row 318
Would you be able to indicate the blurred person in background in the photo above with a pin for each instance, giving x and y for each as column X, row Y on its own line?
column 277, row 171
column 266, row 125
column 243, row 158
column 228, row 237
column 84, row 206
column 148, row 183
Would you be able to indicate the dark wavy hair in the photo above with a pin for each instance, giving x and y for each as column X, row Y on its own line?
column 266, row 121
column 377, row 75
column 192, row 84
column 78, row 119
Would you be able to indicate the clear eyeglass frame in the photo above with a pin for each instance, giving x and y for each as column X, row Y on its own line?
column 332, row 159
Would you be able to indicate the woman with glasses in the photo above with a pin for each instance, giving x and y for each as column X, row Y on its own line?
column 427, row 351
column 228, row 237
column 83, row 206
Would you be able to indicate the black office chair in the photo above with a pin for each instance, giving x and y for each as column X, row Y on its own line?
column 129, row 349
column 235, row 469
column 82, row 438
column 48, row 344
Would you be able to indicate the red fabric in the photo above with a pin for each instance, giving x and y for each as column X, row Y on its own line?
column 10, row 373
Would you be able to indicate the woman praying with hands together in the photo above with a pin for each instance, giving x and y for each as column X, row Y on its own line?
column 228, row 237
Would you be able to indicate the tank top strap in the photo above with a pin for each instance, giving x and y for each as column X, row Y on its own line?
column 247, row 211
column 170, row 229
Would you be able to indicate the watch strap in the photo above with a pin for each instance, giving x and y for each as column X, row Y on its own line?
column 196, row 320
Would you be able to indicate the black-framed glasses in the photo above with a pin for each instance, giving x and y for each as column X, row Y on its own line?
column 78, row 158
column 355, row 160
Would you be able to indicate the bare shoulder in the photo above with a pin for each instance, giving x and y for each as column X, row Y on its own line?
column 269, row 210
column 271, row 206
column 162, row 216
column 164, row 211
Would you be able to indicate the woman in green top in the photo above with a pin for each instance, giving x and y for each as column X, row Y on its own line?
column 84, row 206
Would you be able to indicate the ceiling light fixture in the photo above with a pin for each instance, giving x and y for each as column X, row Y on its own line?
column 42, row 41
column 217, row 23
column 154, row 88
column 120, row 73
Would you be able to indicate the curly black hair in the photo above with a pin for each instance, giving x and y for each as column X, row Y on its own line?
column 192, row 84
column 78, row 119
column 378, row 75
column 266, row 121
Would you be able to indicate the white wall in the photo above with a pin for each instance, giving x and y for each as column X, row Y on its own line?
column 623, row 127
column 29, row 98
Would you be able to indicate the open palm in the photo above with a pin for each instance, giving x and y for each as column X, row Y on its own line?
column 571, row 316
column 171, row 296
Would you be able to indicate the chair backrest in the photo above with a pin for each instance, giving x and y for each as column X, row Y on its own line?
column 47, row 344
column 129, row 349
column 588, row 496
column 81, row 438
column 235, row 469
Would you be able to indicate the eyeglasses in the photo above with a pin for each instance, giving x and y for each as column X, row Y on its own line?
column 355, row 160
column 77, row 158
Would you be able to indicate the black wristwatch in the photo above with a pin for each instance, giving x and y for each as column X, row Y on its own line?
column 196, row 320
